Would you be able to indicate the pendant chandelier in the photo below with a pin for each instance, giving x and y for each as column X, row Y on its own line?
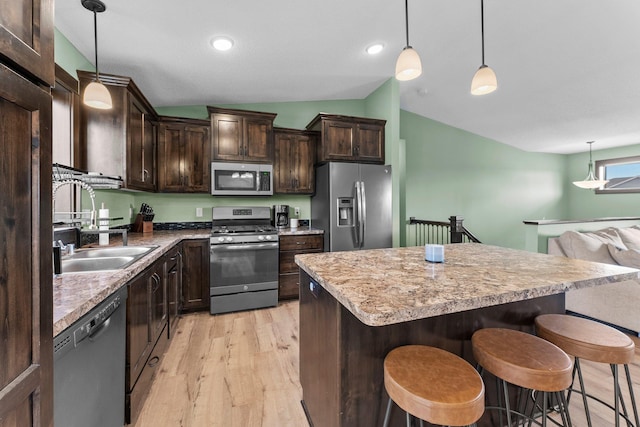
column 96, row 94
column 408, row 65
column 485, row 80
column 590, row 182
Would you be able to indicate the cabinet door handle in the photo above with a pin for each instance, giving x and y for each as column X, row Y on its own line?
column 144, row 175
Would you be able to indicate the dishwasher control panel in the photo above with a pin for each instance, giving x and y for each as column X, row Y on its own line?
column 88, row 324
column 97, row 319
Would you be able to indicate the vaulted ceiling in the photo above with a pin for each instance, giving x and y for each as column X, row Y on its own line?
column 568, row 71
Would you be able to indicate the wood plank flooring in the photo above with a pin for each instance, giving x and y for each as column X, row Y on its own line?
column 241, row 370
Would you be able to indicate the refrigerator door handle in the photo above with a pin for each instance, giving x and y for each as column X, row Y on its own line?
column 358, row 218
column 363, row 214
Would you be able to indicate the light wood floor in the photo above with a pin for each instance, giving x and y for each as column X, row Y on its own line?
column 241, row 369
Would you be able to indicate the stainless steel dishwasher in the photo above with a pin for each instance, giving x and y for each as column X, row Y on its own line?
column 89, row 367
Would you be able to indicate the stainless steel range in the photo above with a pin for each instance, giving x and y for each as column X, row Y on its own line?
column 244, row 259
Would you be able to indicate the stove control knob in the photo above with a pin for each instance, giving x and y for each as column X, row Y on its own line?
column 229, row 239
column 268, row 237
column 260, row 237
column 220, row 239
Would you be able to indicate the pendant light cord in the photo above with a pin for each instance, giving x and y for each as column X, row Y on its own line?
column 406, row 19
column 95, row 38
column 482, row 27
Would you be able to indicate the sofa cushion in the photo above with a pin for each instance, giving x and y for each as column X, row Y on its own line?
column 630, row 237
column 628, row 258
column 586, row 246
column 609, row 235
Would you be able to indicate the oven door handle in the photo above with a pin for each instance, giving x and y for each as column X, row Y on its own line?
column 244, row 247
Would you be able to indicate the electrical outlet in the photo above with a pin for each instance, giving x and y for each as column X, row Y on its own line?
column 199, row 212
column 297, row 211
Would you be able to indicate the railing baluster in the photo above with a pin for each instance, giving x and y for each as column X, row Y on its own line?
column 439, row 232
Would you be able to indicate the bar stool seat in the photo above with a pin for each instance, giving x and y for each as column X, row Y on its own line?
column 524, row 360
column 590, row 340
column 433, row 385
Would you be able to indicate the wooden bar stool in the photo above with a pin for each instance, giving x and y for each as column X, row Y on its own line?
column 433, row 385
column 528, row 362
column 594, row 341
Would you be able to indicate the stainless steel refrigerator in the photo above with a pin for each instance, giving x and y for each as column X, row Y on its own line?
column 352, row 204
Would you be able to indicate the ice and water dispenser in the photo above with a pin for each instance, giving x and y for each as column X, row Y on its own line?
column 345, row 212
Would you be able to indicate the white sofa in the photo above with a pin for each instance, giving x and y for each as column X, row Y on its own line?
column 617, row 303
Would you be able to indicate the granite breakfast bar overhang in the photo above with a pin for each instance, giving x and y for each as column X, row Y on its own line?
column 357, row 306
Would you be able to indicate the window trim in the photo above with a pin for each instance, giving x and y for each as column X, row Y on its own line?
column 600, row 165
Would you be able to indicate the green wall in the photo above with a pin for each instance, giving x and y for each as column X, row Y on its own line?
column 493, row 186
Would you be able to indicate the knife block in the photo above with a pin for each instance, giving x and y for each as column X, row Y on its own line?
column 142, row 226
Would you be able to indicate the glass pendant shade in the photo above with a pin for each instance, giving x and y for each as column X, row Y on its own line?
column 590, row 182
column 484, row 81
column 96, row 95
column 408, row 66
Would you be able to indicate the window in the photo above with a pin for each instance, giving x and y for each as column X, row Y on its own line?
column 623, row 175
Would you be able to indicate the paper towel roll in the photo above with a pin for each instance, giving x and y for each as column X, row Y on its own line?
column 103, row 221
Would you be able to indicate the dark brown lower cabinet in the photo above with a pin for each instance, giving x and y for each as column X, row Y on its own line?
column 155, row 299
column 173, row 278
column 146, row 334
column 195, row 275
column 289, row 277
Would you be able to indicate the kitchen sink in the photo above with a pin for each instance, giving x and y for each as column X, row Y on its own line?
column 112, row 251
column 103, row 259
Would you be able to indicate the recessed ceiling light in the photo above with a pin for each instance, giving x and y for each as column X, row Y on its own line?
column 222, row 43
column 375, row 48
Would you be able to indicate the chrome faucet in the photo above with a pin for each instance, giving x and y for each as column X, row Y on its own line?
column 72, row 181
column 68, row 249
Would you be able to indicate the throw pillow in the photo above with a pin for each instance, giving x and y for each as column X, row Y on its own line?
column 585, row 246
column 628, row 258
column 630, row 237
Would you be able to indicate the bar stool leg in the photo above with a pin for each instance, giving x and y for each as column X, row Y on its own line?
column 632, row 395
column 387, row 414
column 564, row 409
column 578, row 369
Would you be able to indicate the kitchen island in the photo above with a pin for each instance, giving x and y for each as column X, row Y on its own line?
column 357, row 306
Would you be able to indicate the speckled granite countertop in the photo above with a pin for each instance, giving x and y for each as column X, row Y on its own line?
column 386, row 286
column 75, row 294
column 299, row 231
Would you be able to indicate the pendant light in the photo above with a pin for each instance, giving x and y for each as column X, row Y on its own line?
column 96, row 94
column 484, row 80
column 590, row 182
column 408, row 65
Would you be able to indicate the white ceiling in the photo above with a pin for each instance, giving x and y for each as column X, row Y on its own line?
column 568, row 71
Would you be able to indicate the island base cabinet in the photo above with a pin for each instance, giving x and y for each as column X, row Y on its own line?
column 341, row 359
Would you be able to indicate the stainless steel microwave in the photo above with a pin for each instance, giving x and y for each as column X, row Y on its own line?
column 241, row 179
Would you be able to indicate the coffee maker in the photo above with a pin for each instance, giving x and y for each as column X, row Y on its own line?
column 281, row 216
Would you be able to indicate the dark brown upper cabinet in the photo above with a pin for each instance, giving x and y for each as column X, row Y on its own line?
column 349, row 139
column 120, row 141
column 26, row 38
column 241, row 136
column 294, row 160
column 184, row 155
